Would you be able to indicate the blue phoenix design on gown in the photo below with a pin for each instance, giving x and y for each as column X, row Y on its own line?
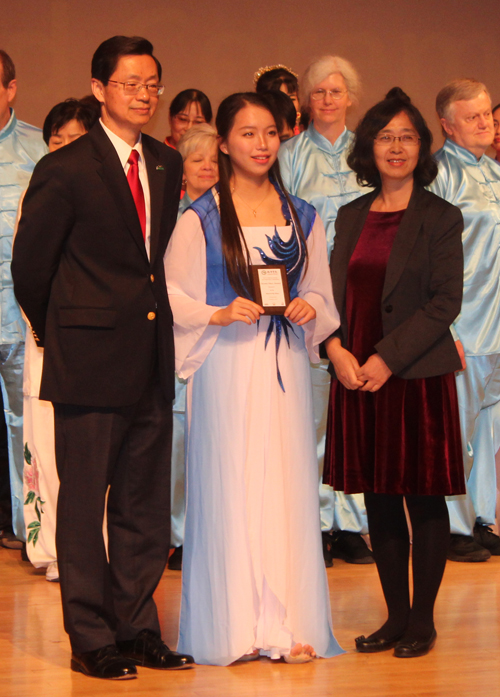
column 291, row 254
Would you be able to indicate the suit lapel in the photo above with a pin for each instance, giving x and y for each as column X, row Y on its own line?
column 156, row 178
column 404, row 241
column 111, row 172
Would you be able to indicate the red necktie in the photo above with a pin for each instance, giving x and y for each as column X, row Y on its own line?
column 136, row 189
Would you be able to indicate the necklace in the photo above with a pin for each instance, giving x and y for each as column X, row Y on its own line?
column 254, row 210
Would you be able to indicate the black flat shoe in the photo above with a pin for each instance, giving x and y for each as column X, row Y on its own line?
column 106, row 663
column 413, row 649
column 374, row 645
column 148, row 650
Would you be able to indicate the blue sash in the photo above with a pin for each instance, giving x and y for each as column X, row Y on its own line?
column 219, row 291
column 292, row 254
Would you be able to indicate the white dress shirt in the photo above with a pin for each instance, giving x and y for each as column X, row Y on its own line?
column 123, row 150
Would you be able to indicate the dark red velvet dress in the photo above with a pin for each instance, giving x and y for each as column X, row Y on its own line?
column 405, row 438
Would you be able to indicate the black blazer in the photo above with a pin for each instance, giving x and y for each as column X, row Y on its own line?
column 81, row 274
column 423, row 286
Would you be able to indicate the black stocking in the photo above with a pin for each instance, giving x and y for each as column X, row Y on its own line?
column 391, row 550
column 390, row 543
column 431, row 537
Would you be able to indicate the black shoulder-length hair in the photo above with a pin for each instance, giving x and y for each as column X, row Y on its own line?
column 234, row 248
column 83, row 111
column 185, row 98
column 361, row 158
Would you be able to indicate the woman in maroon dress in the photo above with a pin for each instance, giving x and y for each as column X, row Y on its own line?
column 394, row 431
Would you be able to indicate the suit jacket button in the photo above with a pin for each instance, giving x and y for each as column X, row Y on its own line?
column 388, row 308
column 151, row 315
column 152, row 278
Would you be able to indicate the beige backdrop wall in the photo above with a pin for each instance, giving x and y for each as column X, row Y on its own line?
column 217, row 46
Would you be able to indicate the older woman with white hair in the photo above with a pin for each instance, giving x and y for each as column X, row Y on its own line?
column 198, row 147
column 314, row 163
column 314, row 167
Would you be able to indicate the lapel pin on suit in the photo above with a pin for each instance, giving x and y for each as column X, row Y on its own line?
column 160, row 168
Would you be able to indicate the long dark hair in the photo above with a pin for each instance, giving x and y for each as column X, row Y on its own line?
column 234, row 247
column 361, row 158
column 285, row 108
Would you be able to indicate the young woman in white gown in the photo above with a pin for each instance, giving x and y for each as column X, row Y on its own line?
column 254, row 581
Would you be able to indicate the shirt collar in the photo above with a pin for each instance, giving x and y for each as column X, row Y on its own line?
column 122, row 148
column 324, row 144
column 462, row 153
column 9, row 126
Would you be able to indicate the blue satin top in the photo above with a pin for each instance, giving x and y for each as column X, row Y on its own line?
column 184, row 204
column 21, row 146
column 474, row 186
column 315, row 170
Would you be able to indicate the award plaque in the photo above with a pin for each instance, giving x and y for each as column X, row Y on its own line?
column 270, row 288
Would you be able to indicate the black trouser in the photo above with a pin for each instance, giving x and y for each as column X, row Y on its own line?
column 127, row 449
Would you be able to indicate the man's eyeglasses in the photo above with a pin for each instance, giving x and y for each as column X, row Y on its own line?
column 136, row 87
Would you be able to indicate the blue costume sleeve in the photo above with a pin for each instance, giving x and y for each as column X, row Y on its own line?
column 474, row 186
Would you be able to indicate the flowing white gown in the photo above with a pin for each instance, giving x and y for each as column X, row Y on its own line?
column 253, row 571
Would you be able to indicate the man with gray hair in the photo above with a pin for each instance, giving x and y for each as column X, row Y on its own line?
column 471, row 180
column 21, row 146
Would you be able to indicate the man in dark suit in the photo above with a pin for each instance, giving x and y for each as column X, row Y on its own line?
column 88, row 272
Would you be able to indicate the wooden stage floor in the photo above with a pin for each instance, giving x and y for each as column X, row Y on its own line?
column 34, row 651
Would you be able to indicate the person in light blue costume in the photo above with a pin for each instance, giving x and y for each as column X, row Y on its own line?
column 21, row 146
column 198, row 147
column 471, row 180
column 314, row 167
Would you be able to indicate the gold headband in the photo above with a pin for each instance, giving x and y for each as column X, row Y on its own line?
column 262, row 71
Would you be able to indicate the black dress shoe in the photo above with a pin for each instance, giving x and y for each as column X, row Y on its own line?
column 413, row 649
column 175, row 560
column 374, row 645
column 484, row 536
column 466, row 549
column 148, row 650
column 350, row 547
column 327, row 550
column 9, row 540
column 106, row 663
